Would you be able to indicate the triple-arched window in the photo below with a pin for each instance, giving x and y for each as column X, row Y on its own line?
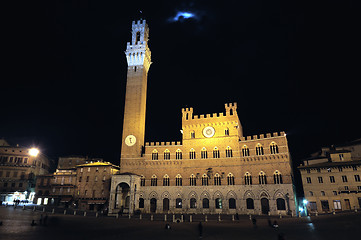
column 178, row 154
column 192, row 154
column 204, row 153
column 178, row 180
column 229, row 152
column 217, row 179
column 192, row 180
column 230, row 179
column 215, row 152
column 277, row 177
column 262, row 178
column 204, row 180
column 259, row 149
column 155, row 155
column 154, row 181
column 247, row 178
column 166, row 154
column 245, row 151
column 166, row 180
column 273, row 148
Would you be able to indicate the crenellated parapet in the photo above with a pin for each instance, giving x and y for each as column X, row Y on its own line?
column 263, row 136
column 174, row 143
column 137, row 52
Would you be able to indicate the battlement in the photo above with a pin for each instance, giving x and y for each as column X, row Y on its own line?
column 262, row 136
column 174, row 143
column 138, row 23
column 231, row 109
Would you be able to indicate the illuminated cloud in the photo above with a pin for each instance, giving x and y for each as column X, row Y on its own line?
column 182, row 15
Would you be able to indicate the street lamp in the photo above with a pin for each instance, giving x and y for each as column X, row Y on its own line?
column 305, row 206
column 34, row 152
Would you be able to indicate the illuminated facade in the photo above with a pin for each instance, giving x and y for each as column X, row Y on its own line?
column 19, row 168
column 332, row 178
column 214, row 169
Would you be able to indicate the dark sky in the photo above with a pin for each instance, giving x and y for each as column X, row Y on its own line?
column 291, row 66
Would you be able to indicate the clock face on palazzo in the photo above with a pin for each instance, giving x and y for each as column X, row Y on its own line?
column 208, row 131
column 130, row 140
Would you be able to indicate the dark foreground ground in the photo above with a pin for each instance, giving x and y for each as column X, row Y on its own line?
column 16, row 225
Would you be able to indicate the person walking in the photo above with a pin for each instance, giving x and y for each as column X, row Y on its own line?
column 200, row 229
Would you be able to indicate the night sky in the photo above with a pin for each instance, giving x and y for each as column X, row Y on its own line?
column 290, row 65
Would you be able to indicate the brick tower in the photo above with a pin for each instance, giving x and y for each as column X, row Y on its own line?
column 139, row 60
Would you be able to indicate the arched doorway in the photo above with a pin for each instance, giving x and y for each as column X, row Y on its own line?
column 264, row 205
column 122, row 196
column 153, row 205
column 165, row 204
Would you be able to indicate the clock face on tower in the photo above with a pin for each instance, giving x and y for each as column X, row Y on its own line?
column 208, row 131
column 130, row 140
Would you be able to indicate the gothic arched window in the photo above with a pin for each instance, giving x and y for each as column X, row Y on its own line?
column 192, row 180
column 193, row 134
column 137, row 37
column 259, row 149
column 142, row 181
column 247, row 178
column 230, row 179
column 178, row 154
column 226, row 131
column 166, row 154
column 204, row 153
column 262, row 178
column 217, row 179
column 155, row 155
column 192, row 154
column 154, row 181
column 178, row 180
column 229, row 152
column 204, row 180
column 273, row 148
column 277, row 177
column 245, row 151
column 166, row 180
column 215, row 152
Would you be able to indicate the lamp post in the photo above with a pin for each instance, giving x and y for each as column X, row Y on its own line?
column 305, row 206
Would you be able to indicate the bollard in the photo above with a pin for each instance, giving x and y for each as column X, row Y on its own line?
column 165, row 217
column 280, row 215
column 129, row 216
column 219, row 217
column 182, row 218
column 173, row 218
column 355, row 209
column 269, row 213
column 151, row 217
column 84, row 214
column 205, row 218
column 96, row 214
column 23, row 207
column 232, row 218
column 64, row 211
column 333, row 211
column 74, row 212
column 250, row 217
column 53, row 211
column 43, row 209
column 117, row 216
column 316, row 214
column 140, row 216
column 190, row 218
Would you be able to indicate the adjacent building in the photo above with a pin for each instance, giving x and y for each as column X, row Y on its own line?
column 331, row 178
column 213, row 169
column 19, row 168
column 78, row 182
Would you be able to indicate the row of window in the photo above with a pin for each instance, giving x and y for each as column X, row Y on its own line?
column 12, row 184
column 332, row 179
column 281, row 204
column 19, row 160
column 216, row 153
column 217, row 179
column 334, row 193
column 96, row 169
column 340, row 169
